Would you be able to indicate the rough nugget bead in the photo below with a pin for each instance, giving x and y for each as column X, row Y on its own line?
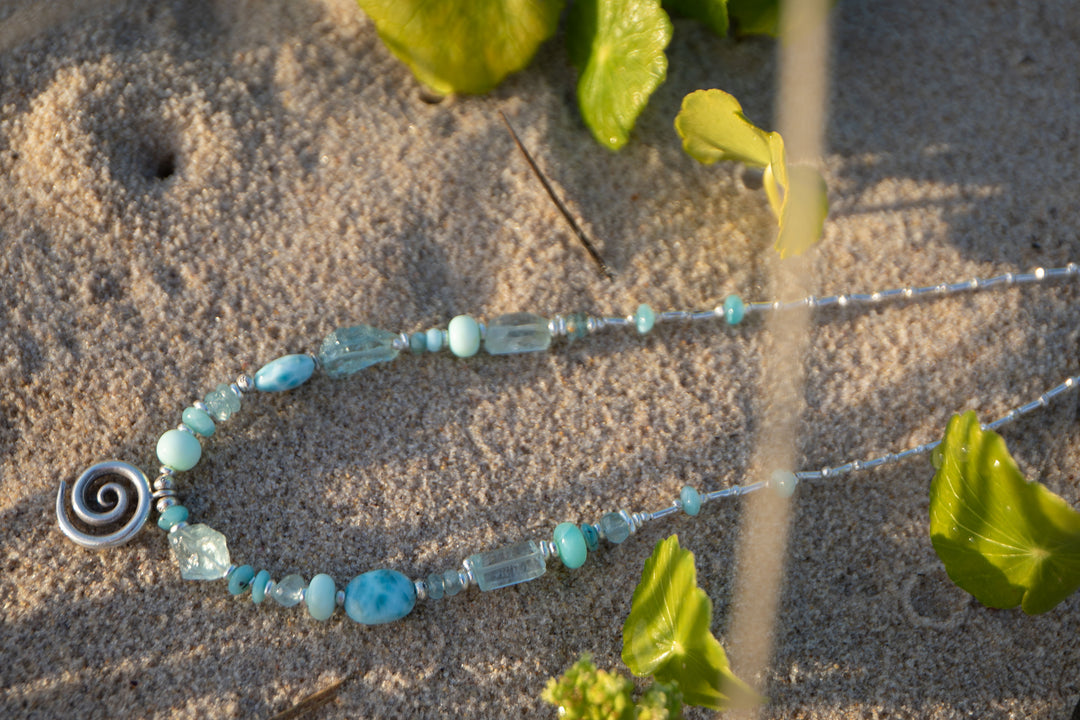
column 171, row 516
column 200, row 551
column 691, row 500
column 571, row 543
column 615, row 527
column 464, row 335
column 644, row 319
column 178, row 450
column 349, row 350
column 320, row 597
column 221, row 403
column 734, row 309
column 284, row 373
column 379, row 596
column 199, row 421
column 240, row 579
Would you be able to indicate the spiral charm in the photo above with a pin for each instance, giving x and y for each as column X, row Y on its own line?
column 113, row 499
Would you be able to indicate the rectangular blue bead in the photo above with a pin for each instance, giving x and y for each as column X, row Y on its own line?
column 507, row 566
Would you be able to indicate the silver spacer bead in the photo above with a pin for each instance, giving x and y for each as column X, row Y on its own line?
column 315, row 359
column 164, row 482
column 200, row 405
column 165, row 493
column 466, row 575
column 230, row 571
column 557, row 326
column 165, row 503
column 236, row 390
column 184, row 428
column 245, row 383
column 549, row 549
column 421, row 589
column 401, row 342
column 339, row 598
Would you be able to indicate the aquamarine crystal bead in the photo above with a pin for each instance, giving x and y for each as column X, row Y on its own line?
column 614, row 527
column 200, row 551
column 289, row 592
column 240, row 579
column 258, row 586
column 349, row 350
column 734, row 309
column 417, row 343
column 691, row 500
column 320, row 597
column 379, row 596
column 434, row 339
column 592, row 538
column 178, row 450
column 452, row 583
column 434, row 584
column 783, row 482
column 508, row 565
column 517, row 333
column 198, row 421
column 644, row 319
column 221, row 403
column 463, row 334
column 571, row 543
column 171, row 516
column 284, row 373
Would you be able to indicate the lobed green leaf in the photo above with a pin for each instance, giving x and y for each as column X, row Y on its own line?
column 711, row 13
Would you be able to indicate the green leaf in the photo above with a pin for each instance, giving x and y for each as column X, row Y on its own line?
column 1003, row 539
column 713, row 127
column 618, row 49
column 712, row 13
column 464, row 45
column 755, row 17
column 667, row 633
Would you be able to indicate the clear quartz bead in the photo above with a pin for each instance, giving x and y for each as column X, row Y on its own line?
column 517, row 333
column 349, row 350
column 508, row 565
column 289, row 591
column 200, row 551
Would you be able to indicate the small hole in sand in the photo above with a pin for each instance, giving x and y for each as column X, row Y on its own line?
column 166, row 166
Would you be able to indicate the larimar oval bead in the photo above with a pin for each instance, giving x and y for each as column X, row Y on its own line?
column 508, row 565
column 615, row 527
column 289, row 591
column 379, row 596
column 240, row 579
column 221, row 403
column 199, row 421
column 200, row 551
column 320, row 597
column 571, row 543
column 258, row 586
column 178, row 450
column 517, row 333
column 463, row 334
column 734, row 309
column 592, row 538
column 349, row 350
column 284, row 373
column 644, row 319
column 691, row 500
column 171, row 516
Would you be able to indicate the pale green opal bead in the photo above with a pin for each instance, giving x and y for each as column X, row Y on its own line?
column 571, row 543
column 199, row 421
column 178, row 450
column 508, row 565
column 258, row 586
column 289, row 592
column 200, row 551
column 284, row 373
column 379, row 596
column 171, row 516
column 734, row 309
column 614, row 527
column 434, row 340
column 463, row 334
column 783, row 482
column 320, row 597
column 691, row 500
column 349, row 350
column 644, row 319
column 221, row 403
column 240, row 579
column 517, row 333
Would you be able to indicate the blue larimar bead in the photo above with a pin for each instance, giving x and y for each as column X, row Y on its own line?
column 434, row 584
column 349, row 350
column 783, row 482
column 691, row 500
column 258, row 586
column 615, row 527
column 284, row 373
column 198, row 421
column 240, row 579
column 463, row 333
column 434, row 340
column 321, row 597
column 200, row 551
column 379, row 596
column 571, row 543
column 221, row 403
column 734, row 309
column 289, row 592
column 178, row 450
column 171, row 516
column 517, row 333
column 417, row 343
column 592, row 538
column 508, row 565
column 644, row 319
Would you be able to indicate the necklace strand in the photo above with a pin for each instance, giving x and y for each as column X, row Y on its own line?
column 384, row 595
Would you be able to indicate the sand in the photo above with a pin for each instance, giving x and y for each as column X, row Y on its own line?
column 188, row 190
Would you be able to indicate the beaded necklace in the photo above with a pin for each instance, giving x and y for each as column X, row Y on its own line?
column 102, row 505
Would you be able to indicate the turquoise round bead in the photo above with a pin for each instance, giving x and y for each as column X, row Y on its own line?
column 285, row 373
column 592, row 537
column 571, row 543
column 171, row 516
column 463, row 333
column 321, row 597
column 199, row 421
column 417, row 343
column 379, row 596
column 691, row 500
column 240, row 579
column 434, row 340
column 783, row 482
column 644, row 319
column 258, row 586
column 178, row 450
column 734, row 310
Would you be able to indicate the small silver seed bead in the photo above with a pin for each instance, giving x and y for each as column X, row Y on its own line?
column 401, row 342
column 164, row 482
column 200, row 405
column 245, row 383
column 167, row 493
column 165, row 503
column 315, row 359
column 184, row 428
column 421, row 589
column 236, row 390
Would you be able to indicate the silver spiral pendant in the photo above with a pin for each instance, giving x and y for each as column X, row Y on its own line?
column 109, row 506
